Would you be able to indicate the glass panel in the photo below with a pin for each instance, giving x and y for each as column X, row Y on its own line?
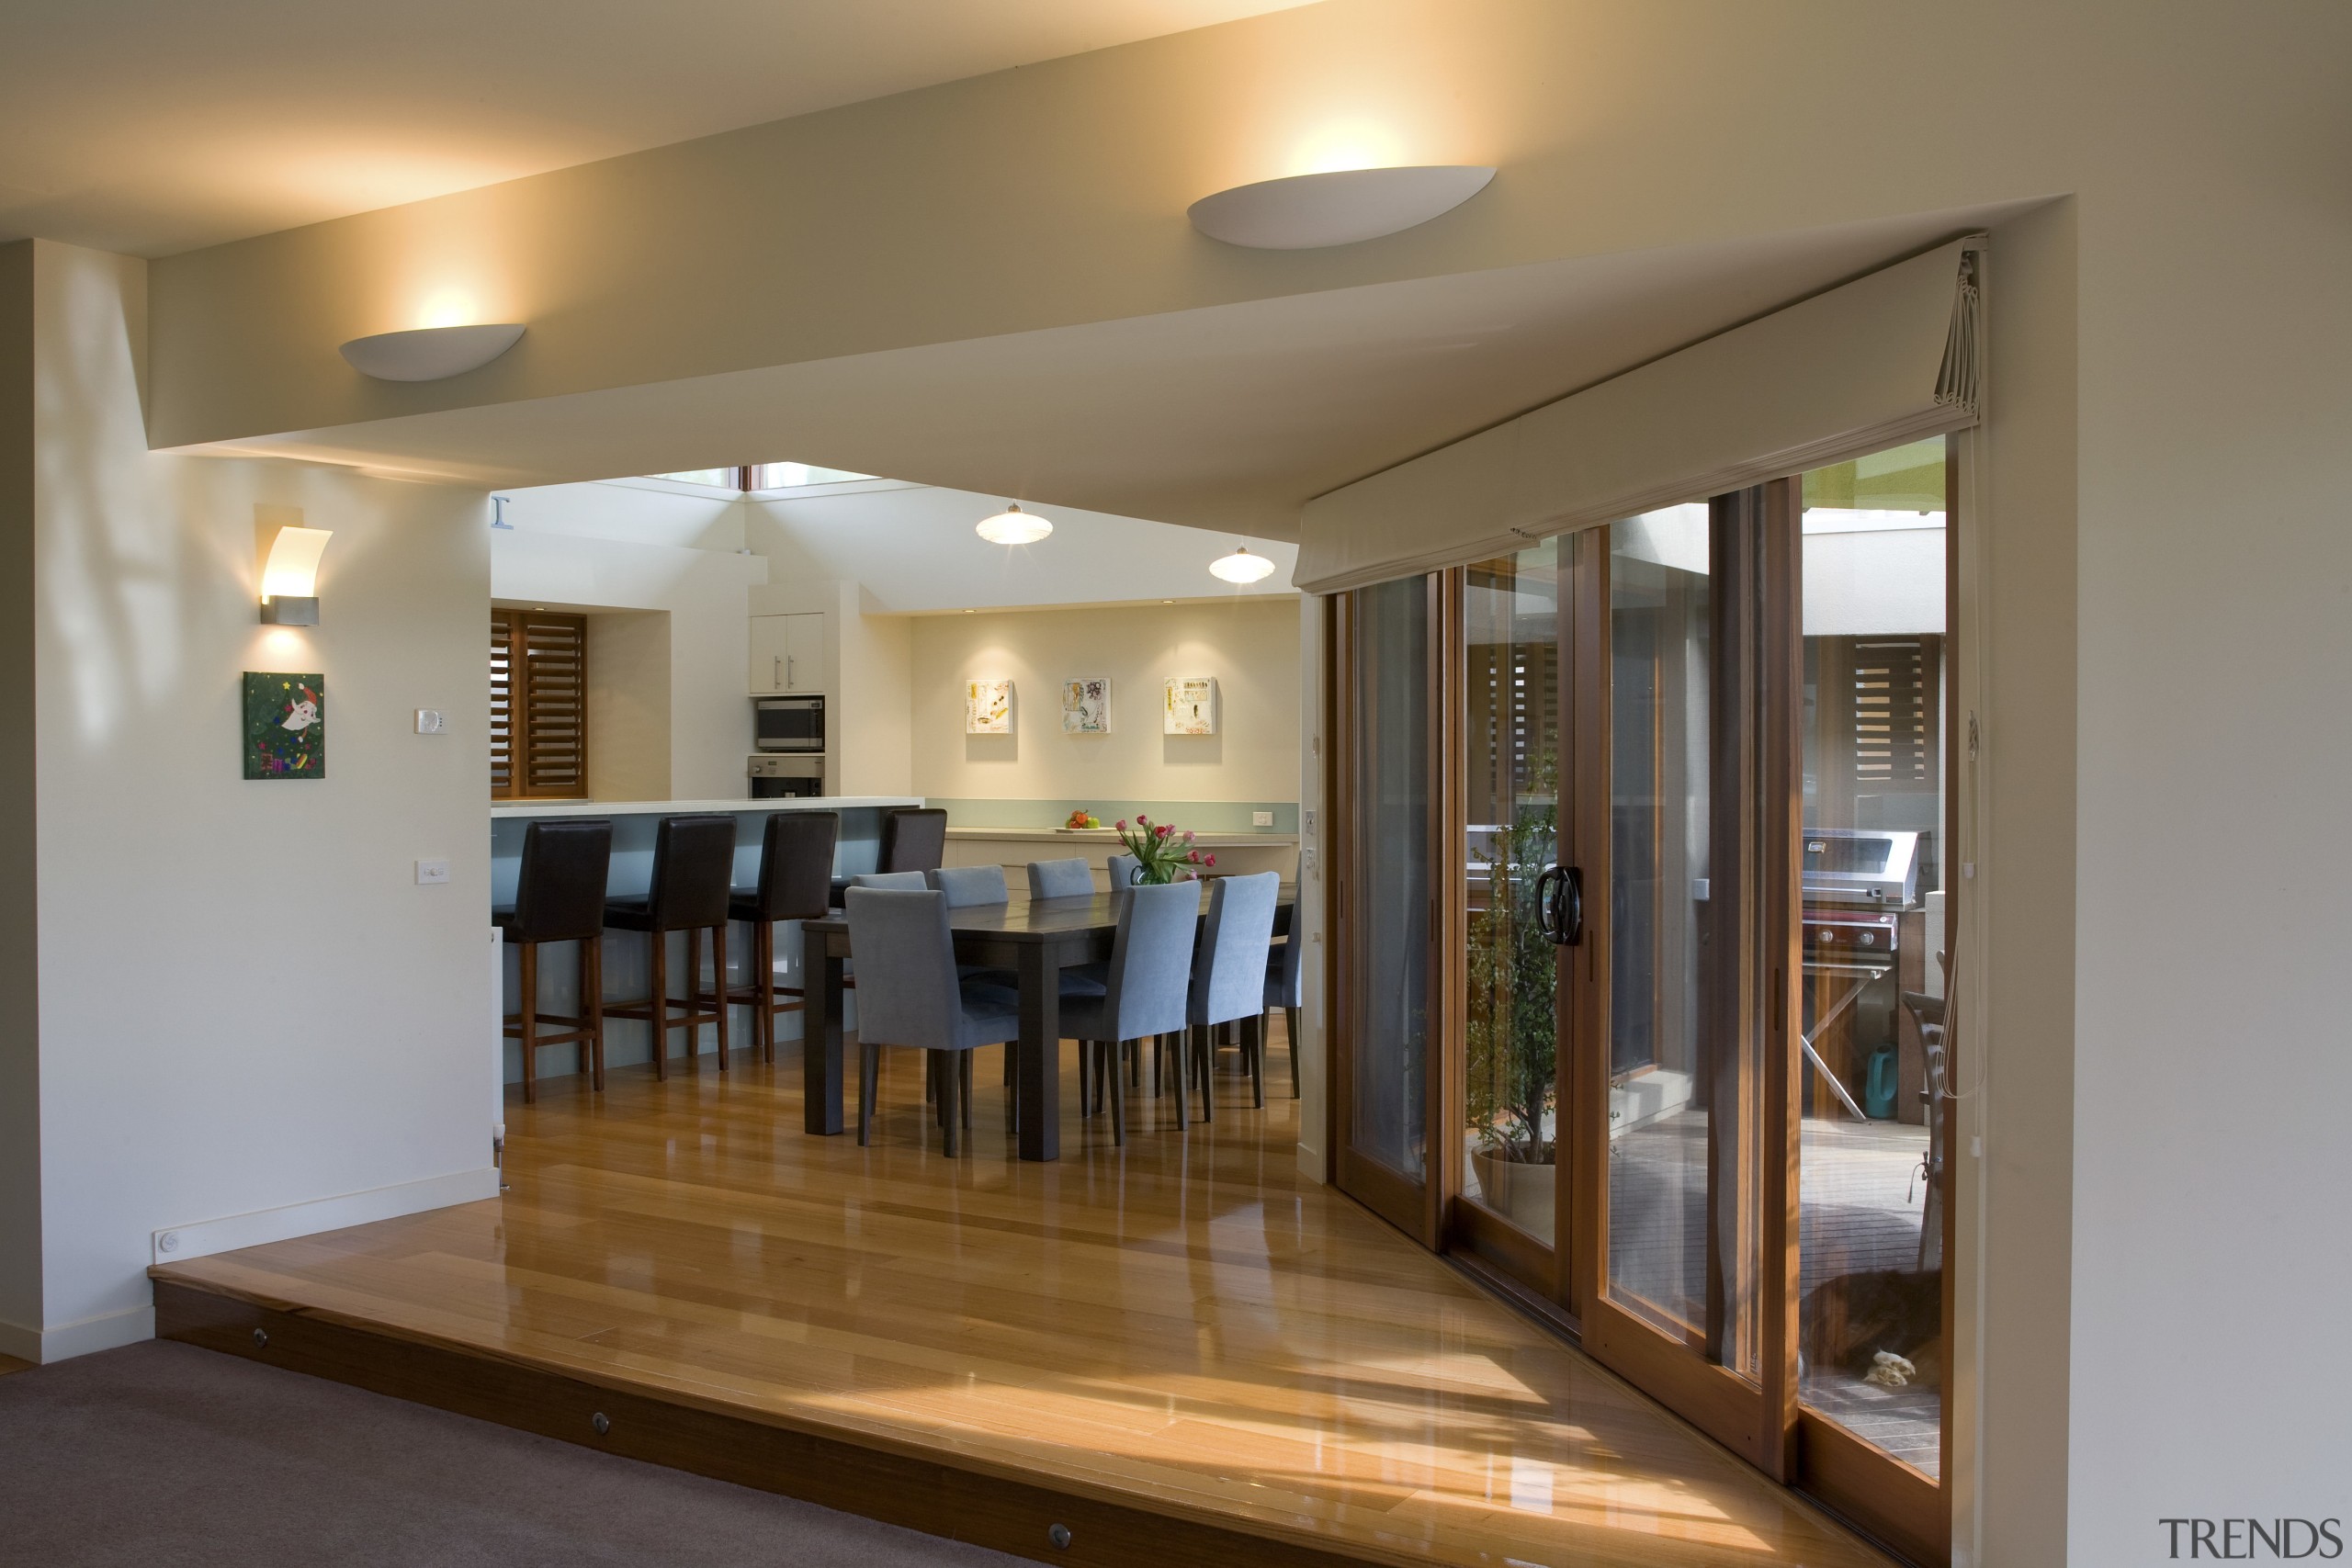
column 1684, row 1106
column 1869, row 1223
column 1510, row 620
column 796, row 475
column 1391, row 903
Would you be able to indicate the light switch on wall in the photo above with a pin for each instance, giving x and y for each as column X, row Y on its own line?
column 430, row 873
column 430, row 722
column 1261, row 818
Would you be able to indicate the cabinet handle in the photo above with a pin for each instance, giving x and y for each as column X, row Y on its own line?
column 775, row 674
column 791, row 681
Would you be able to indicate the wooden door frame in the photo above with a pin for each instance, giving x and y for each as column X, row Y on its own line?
column 1670, row 1368
column 1532, row 1269
column 1413, row 1208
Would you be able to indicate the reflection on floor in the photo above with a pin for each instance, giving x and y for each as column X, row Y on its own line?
column 1862, row 1202
column 1186, row 1325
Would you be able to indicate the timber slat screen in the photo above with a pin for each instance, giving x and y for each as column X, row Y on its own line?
column 539, row 706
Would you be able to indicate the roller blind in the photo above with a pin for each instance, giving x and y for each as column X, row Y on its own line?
column 1887, row 358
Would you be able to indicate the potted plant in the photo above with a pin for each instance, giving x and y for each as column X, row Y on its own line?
column 1513, row 1035
column 1162, row 853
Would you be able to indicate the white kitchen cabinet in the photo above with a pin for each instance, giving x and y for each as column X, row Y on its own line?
column 788, row 654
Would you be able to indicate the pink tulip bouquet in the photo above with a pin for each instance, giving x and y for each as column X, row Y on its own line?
column 1162, row 853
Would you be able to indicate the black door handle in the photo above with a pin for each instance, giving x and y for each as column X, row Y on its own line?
column 1546, row 882
column 1559, row 905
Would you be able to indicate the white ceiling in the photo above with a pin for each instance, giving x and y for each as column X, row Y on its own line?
column 1228, row 418
column 150, row 126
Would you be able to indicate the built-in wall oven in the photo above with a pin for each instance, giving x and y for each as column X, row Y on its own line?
column 787, row 777
column 788, row 724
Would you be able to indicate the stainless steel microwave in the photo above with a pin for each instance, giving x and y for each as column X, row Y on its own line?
column 788, row 724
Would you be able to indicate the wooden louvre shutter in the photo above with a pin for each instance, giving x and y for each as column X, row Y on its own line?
column 1895, row 716
column 502, row 704
column 538, row 704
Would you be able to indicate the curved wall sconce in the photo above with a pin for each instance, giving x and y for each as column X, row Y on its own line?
column 289, row 577
column 430, row 354
column 1305, row 212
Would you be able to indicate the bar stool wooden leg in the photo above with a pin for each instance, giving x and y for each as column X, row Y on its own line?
column 661, row 1006
column 764, row 989
column 591, row 1004
column 693, row 995
column 718, row 987
column 528, row 961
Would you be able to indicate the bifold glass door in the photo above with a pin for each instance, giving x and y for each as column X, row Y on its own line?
column 1642, row 954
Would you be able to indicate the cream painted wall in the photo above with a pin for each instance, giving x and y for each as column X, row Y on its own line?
column 869, row 719
column 629, row 743
column 1249, row 645
column 570, row 548
column 247, row 1006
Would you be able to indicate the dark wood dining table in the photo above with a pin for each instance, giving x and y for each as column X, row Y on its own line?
column 1036, row 938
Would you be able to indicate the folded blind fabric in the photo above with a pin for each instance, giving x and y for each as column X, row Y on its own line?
column 1890, row 357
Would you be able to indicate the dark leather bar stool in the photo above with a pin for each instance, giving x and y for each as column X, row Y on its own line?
column 559, row 896
column 694, row 863
column 914, row 838
column 796, row 882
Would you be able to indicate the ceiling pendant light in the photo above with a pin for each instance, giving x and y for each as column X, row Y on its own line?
column 1013, row 526
column 1241, row 566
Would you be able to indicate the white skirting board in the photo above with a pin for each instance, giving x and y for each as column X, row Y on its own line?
column 108, row 1332
column 177, row 1244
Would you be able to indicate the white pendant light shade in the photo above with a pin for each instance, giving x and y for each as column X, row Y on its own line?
column 1307, row 213
column 1013, row 526
column 431, row 354
column 1242, row 567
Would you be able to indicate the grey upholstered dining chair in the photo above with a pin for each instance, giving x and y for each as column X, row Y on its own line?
column 1230, row 984
column 1286, row 989
column 1121, row 870
column 1147, row 986
column 912, row 997
column 966, row 885
column 892, row 881
column 1060, row 879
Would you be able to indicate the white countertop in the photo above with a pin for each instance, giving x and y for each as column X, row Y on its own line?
column 680, row 808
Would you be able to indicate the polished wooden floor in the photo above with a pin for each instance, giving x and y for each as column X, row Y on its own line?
column 1186, row 1325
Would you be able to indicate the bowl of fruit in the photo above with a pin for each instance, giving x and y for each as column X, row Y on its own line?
column 1081, row 820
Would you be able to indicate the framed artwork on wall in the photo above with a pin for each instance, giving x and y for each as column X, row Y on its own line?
column 1191, row 704
column 286, row 725
column 988, row 707
column 1086, row 706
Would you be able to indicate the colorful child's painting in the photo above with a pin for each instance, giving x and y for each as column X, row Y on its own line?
column 286, row 725
column 988, row 707
column 1086, row 706
column 1191, row 704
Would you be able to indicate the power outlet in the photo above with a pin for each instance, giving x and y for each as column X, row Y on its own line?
column 432, row 872
column 430, row 721
column 1261, row 818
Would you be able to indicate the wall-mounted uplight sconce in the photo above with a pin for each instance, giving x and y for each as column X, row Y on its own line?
column 1339, row 207
column 289, row 577
column 431, row 354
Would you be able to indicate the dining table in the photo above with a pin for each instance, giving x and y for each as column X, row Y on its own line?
column 1036, row 938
